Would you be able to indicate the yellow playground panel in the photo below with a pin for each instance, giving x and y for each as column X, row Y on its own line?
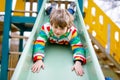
column 105, row 31
column 2, row 5
column 19, row 7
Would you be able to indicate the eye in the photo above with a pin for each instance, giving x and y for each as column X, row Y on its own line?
column 62, row 28
column 56, row 27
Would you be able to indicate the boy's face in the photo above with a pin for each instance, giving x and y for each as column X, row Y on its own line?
column 58, row 31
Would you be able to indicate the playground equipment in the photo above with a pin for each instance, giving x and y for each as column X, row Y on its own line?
column 107, row 32
column 19, row 17
column 58, row 67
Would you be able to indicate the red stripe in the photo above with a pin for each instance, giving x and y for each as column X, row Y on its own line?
column 84, row 60
column 42, row 27
column 35, row 58
column 48, row 28
column 52, row 41
column 79, row 45
column 76, row 56
column 73, row 32
column 66, row 42
column 61, row 42
column 39, row 41
column 81, row 58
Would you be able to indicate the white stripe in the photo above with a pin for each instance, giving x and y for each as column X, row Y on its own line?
column 40, row 38
column 76, row 44
column 45, row 27
column 38, row 54
column 78, row 55
column 64, row 39
column 52, row 39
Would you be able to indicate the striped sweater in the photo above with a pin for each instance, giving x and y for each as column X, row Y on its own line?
column 70, row 37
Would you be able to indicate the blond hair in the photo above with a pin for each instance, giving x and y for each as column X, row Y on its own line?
column 61, row 17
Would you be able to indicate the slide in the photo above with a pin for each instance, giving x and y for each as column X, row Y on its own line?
column 58, row 59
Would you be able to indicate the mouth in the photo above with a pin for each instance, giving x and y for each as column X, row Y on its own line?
column 57, row 35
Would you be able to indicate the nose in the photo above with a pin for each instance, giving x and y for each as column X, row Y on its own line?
column 57, row 31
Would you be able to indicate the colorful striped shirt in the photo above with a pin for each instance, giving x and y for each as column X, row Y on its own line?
column 70, row 37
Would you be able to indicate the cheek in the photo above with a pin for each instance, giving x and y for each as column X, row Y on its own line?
column 64, row 31
column 54, row 30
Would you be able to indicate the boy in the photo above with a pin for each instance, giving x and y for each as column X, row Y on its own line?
column 60, row 30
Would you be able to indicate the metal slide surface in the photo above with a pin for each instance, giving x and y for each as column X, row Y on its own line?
column 58, row 60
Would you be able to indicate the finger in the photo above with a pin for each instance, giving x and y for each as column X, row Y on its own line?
column 33, row 66
column 34, row 69
column 43, row 66
column 83, row 72
column 77, row 73
column 38, row 69
column 73, row 68
column 80, row 73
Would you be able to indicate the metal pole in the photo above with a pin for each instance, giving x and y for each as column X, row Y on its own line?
column 5, row 41
column 21, row 41
column 39, row 5
column 81, row 5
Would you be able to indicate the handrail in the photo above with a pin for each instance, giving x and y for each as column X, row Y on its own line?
column 105, row 31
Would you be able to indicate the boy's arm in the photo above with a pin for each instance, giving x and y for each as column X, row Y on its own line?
column 39, row 44
column 77, row 47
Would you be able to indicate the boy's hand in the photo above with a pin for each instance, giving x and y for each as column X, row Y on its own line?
column 37, row 66
column 78, row 68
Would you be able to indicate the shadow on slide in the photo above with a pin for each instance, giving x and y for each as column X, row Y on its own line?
column 58, row 60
